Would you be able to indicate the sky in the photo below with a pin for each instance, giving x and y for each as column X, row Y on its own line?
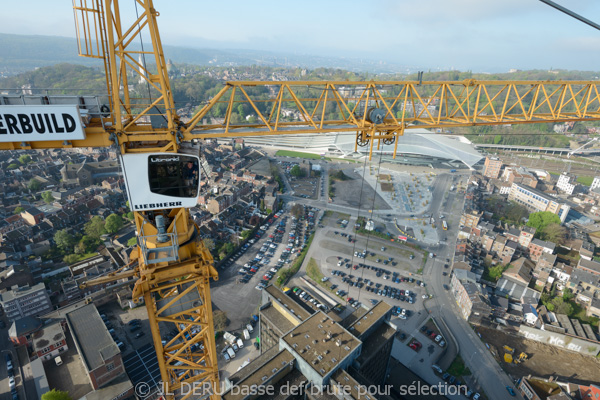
column 476, row 35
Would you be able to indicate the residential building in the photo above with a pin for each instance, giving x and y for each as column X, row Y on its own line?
column 591, row 266
column 536, row 201
column 526, row 237
column 520, row 270
column 537, row 247
column 492, row 167
column 568, row 184
column 25, row 301
column 474, row 306
column 32, row 216
column 595, row 183
column 540, row 389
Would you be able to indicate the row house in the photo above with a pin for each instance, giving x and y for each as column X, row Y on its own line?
column 537, row 247
column 591, row 266
column 545, row 263
column 585, row 285
column 11, row 223
column 527, row 234
column 518, row 175
column 470, row 219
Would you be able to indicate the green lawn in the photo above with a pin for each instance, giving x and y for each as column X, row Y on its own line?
column 314, row 272
column 298, row 154
column 458, row 368
column 81, row 257
column 585, row 180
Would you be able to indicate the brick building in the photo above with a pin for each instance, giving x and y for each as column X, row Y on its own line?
column 99, row 353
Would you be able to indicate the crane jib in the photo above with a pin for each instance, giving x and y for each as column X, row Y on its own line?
column 40, row 123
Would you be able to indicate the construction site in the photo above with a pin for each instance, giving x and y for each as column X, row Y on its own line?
column 540, row 359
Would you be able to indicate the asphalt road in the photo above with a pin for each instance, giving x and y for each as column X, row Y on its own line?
column 487, row 373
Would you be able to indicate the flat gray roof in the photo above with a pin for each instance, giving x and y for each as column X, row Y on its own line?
column 91, row 336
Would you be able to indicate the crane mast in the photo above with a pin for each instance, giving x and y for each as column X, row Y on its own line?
column 174, row 267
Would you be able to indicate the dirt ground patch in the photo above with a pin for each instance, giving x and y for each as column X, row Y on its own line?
column 544, row 360
column 387, row 187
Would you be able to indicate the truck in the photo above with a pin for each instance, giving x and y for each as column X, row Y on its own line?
column 229, row 338
column 246, row 334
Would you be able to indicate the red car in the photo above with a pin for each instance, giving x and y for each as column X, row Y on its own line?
column 355, row 267
column 416, row 346
column 349, row 299
column 253, row 269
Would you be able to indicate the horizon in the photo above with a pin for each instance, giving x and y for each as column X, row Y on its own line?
column 465, row 35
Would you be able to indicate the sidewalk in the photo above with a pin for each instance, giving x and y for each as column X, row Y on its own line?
column 26, row 373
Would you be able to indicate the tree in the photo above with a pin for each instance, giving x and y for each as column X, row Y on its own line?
column 539, row 220
column 113, row 223
column 13, row 166
column 25, row 159
column 297, row 210
column 95, row 227
column 56, row 395
column 209, row 243
column 19, row 210
column 554, row 233
column 297, row 171
column 568, row 294
column 515, row 212
column 225, row 250
column 64, row 240
column 495, row 272
column 561, row 306
column 34, row 184
column 47, row 197
column 88, row 243
column 132, row 241
column 246, row 233
column 497, row 139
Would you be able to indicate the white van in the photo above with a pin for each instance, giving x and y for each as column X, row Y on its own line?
column 250, row 328
column 240, row 343
column 231, row 352
column 246, row 334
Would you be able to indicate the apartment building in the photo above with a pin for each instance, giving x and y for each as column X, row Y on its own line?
column 25, row 301
column 567, row 183
column 536, row 201
column 492, row 167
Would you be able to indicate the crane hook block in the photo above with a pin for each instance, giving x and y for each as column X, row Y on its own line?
column 375, row 115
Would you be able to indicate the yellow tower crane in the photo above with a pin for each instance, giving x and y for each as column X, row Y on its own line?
column 172, row 267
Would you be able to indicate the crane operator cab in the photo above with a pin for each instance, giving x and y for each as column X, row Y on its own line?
column 161, row 180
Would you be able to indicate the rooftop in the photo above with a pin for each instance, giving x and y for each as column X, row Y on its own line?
column 10, row 295
column 262, row 375
column 321, row 342
column 349, row 384
column 276, row 318
column 24, row 326
column 287, row 302
column 359, row 327
column 91, row 336
column 49, row 334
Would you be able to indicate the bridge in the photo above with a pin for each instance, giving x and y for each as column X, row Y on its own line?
column 537, row 149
